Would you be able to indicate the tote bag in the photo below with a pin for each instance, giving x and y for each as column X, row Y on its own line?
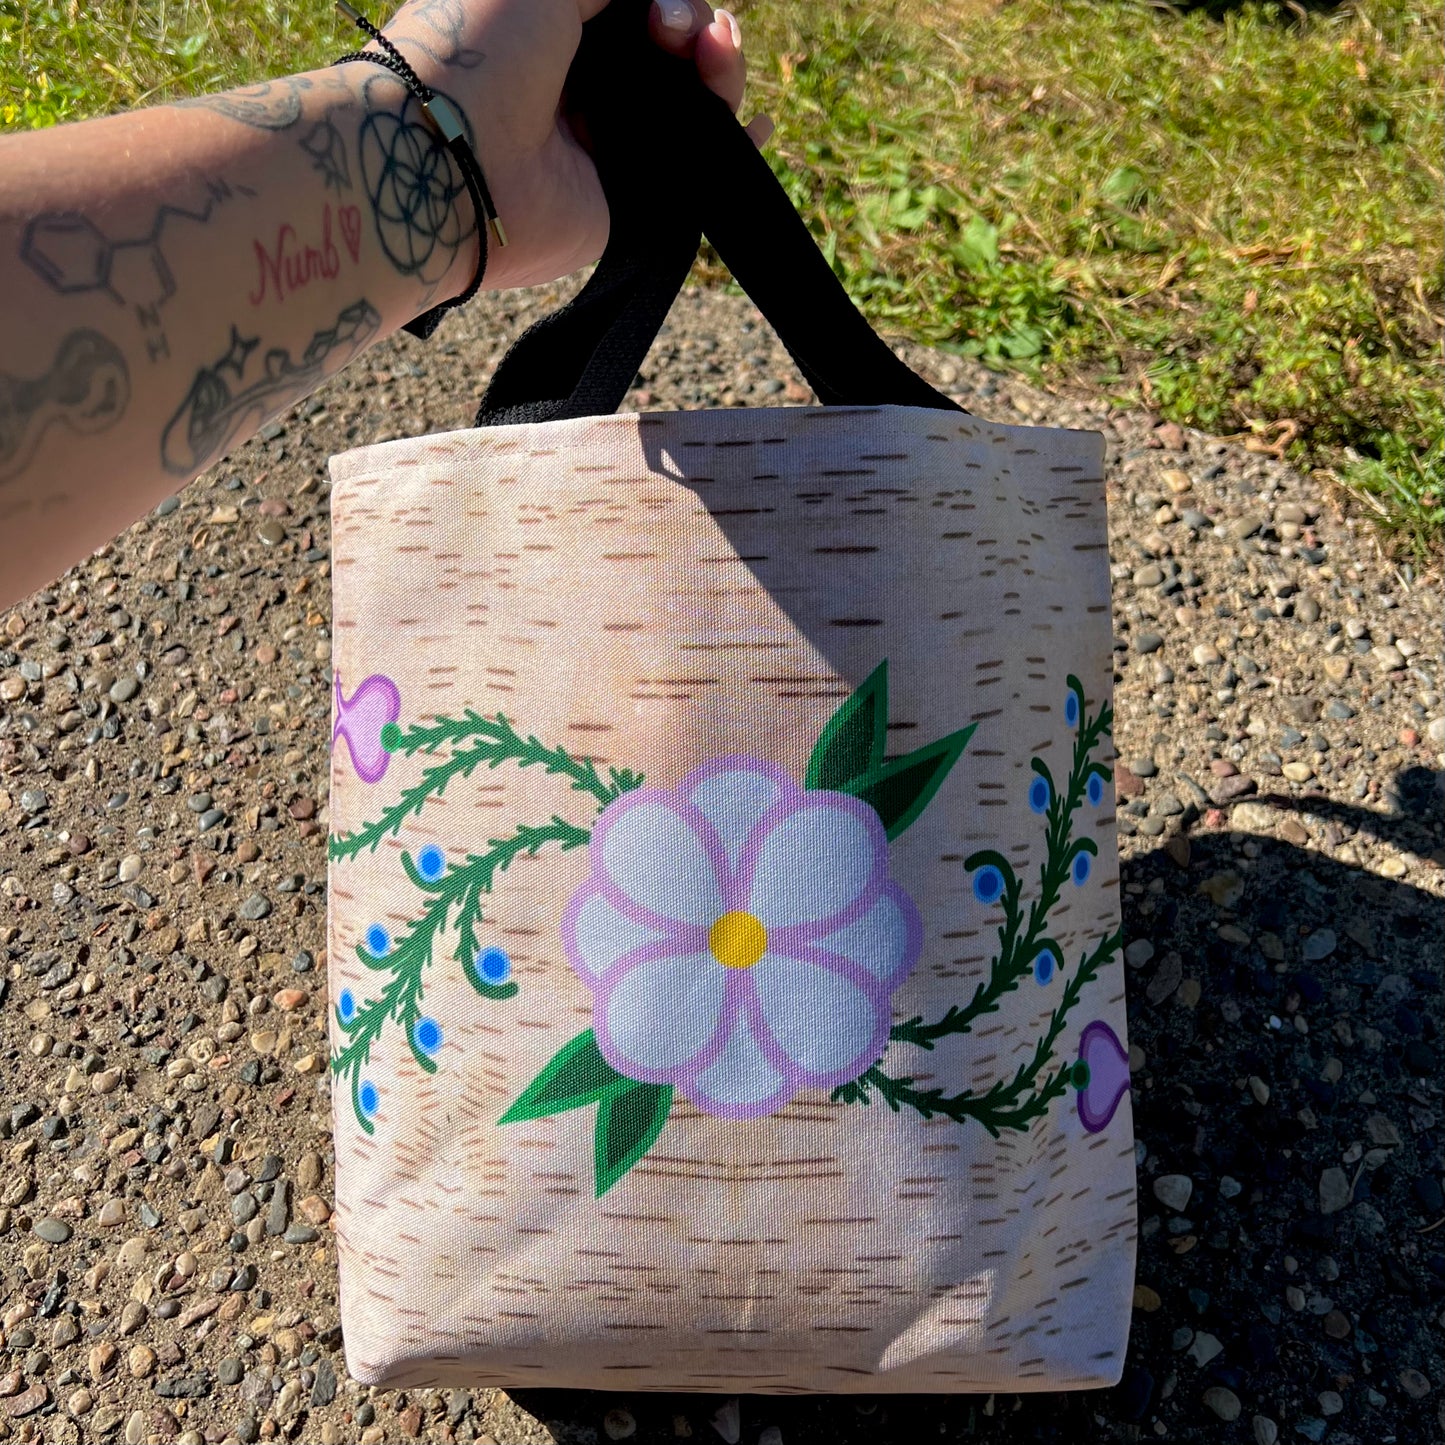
column 724, row 900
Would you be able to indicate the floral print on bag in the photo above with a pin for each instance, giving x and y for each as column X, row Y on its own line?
column 740, row 934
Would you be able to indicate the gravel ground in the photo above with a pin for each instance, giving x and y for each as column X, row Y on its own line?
column 166, row 1267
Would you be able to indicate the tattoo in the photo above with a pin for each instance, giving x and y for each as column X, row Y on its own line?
column 327, row 150
column 71, row 254
column 413, row 185
column 271, row 105
column 287, row 267
column 214, row 413
column 86, row 390
column 445, row 20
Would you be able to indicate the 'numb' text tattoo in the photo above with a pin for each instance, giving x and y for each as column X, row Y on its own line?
column 71, row 254
column 86, row 389
column 290, row 264
column 224, row 399
column 418, row 198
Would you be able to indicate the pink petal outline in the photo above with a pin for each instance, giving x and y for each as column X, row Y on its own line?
column 689, row 814
column 823, row 801
column 781, row 1060
column 742, row 1016
column 676, row 1074
column 912, row 937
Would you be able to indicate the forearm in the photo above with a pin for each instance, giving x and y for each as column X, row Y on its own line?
column 175, row 277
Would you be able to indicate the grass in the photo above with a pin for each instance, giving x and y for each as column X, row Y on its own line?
column 1230, row 214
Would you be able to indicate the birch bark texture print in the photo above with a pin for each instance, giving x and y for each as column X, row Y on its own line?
column 724, row 937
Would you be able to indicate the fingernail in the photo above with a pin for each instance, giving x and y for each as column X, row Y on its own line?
column 733, row 26
column 676, row 15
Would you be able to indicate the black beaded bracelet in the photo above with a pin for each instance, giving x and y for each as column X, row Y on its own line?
column 447, row 124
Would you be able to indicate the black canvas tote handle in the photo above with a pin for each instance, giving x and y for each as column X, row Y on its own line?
column 675, row 164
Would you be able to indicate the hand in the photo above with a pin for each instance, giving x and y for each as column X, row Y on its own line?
column 504, row 62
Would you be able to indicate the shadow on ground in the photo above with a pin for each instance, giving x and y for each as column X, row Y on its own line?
column 1289, row 1022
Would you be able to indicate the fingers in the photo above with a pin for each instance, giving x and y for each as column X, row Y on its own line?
column 714, row 40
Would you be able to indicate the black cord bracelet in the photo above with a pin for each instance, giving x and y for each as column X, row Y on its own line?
column 447, row 124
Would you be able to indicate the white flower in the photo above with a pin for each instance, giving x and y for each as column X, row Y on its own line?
column 741, row 937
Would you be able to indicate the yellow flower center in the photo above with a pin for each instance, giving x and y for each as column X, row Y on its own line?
column 737, row 940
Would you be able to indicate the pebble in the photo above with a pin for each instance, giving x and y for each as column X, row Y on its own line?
column 1331, row 1402
column 1204, row 1348
column 255, row 908
column 112, row 1213
column 1224, row 1402
column 102, row 1357
column 80, row 1403
column 1147, row 642
column 123, row 689
column 619, row 1424
column 1139, row 952
column 230, row 1370
column 1173, row 1190
column 1266, row 1432
column 1334, row 1191
column 1319, row 945
column 1414, row 1383
column 141, row 1361
column 323, row 1390
column 52, row 1231
column 271, row 533
column 1165, row 979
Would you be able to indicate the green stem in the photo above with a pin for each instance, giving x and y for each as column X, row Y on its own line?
column 1015, row 1102
column 1007, row 1104
column 400, row 999
column 527, row 752
column 1016, row 954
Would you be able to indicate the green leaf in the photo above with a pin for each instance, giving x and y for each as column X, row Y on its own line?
column 577, row 1075
column 899, row 789
column 630, row 1119
column 852, row 742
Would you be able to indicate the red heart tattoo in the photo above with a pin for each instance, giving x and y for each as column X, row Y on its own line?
column 350, row 217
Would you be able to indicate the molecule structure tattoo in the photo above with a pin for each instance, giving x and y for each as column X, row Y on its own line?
column 71, row 254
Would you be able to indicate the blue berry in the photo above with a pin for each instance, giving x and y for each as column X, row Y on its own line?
column 494, row 965
column 1044, row 966
column 378, row 940
column 1081, row 869
column 1096, row 789
column 369, row 1097
column 428, row 1035
column 1039, row 795
column 431, row 862
column 346, row 1005
column 987, row 884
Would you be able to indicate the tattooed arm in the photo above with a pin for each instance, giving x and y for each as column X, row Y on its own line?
column 175, row 277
